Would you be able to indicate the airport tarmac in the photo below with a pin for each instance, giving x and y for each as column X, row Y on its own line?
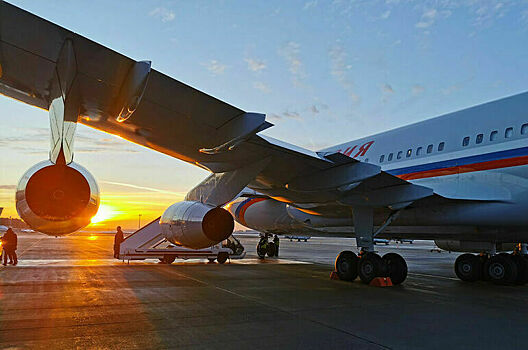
column 69, row 293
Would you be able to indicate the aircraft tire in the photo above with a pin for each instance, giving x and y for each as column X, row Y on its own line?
column 468, row 267
column 396, row 267
column 261, row 251
column 346, row 265
column 222, row 257
column 370, row 266
column 501, row 269
column 168, row 259
column 211, row 260
column 522, row 269
column 272, row 249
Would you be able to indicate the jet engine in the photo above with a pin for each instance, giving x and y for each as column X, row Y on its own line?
column 57, row 199
column 196, row 225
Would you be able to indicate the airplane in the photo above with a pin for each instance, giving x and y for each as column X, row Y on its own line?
column 460, row 179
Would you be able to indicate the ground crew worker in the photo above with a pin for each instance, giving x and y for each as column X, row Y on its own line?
column 9, row 242
column 118, row 239
column 14, row 244
column 276, row 241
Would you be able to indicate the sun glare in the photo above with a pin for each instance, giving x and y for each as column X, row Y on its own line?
column 104, row 213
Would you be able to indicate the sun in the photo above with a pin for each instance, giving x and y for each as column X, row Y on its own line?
column 104, row 213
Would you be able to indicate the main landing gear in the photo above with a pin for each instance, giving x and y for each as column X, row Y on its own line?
column 505, row 269
column 369, row 265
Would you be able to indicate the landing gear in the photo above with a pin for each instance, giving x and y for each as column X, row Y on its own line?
column 396, row 267
column 167, row 259
column 370, row 265
column 272, row 249
column 346, row 265
column 222, row 257
column 502, row 269
column 468, row 267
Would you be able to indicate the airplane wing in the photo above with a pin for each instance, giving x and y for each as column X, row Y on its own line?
column 178, row 120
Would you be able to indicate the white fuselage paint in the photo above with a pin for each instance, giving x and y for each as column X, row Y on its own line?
column 490, row 170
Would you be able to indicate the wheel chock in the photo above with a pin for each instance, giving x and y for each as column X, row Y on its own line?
column 334, row 275
column 381, row 282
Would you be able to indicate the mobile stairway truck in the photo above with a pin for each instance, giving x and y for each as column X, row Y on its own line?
column 148, row 243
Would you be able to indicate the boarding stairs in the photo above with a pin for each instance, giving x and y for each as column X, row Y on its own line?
column 149, row 243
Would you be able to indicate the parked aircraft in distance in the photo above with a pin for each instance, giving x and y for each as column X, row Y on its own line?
column 459, row 179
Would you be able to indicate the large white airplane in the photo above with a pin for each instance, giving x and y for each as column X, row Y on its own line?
column 460, row 179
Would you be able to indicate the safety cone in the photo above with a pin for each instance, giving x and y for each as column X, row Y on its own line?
column 381, row 282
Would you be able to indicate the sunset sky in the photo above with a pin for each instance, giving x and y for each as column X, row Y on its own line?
column 324, row 72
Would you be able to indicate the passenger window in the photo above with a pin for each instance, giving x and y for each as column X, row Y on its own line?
column 465, row 142
column 429, row 148
column 400, row 153
column 524, row 129
column 441, row 146
column 479, row 139
column 409, row 153
column 419, row 151
column 382, row 158
column 493, row 135
column 508, row 133
column 390, row 157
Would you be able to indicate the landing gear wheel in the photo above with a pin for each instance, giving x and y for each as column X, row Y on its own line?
column 272, row 249
column 370, row 266
column 346, row 266
column 468, row 267
column 168, row 259
column 211, row 260
column 501, row 269
column 522, row 269
column 396, row 267
column 222, row 257
column 261, row 251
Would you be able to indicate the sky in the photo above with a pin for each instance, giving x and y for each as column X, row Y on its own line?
column 324, row 72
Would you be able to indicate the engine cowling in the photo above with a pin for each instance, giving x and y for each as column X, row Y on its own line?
column 57, row 199
column 196, row 225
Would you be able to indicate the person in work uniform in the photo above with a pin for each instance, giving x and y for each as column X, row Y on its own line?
column 118, row 239
column 9, row 245
column 276, row 241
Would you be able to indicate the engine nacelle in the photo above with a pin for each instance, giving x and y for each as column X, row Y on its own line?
column 57, row 199
column 196, row 225
column 474, row 247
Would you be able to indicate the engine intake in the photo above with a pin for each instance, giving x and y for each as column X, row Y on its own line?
column 196, row 225
column 57, row 199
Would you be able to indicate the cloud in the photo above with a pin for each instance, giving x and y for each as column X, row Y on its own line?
column 255, row 65
column 36, row 141
column 149, row 189
column 274, row 117
column 215, row 67
column 7, row 187
column 310, row 4
column 314, row 109
column 290, row 52
column 417, row 89
column 340, row 70
column 162, row 13
column 292, row 115
column 427, row 19
column 387, row 88
column 262, row 87
column 385, row 14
